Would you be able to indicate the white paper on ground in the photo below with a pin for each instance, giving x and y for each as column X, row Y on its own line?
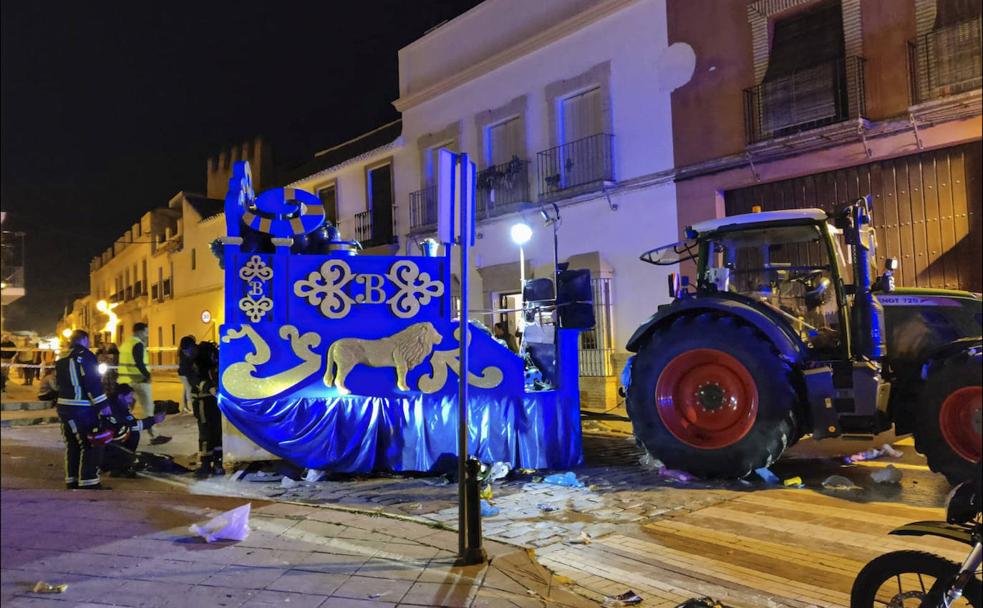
column 231, row 525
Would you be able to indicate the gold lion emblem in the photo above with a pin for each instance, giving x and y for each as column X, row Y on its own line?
column 404, row 351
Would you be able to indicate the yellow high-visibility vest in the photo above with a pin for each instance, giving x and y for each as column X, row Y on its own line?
column 128, row 370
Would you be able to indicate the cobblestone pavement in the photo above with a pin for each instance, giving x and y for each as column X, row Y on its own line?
column 612, row 534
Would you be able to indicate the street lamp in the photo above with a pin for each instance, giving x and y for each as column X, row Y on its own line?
column 521, row 233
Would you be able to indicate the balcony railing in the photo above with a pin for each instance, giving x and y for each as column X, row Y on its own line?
column 824, row 94
column 945, row 61
column 138, row 289
column 502, row 188
column 129, row 293
column 370, row 235
column 578, row 164
column 423, row 209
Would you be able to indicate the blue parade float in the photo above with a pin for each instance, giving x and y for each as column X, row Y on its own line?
column 344, row 362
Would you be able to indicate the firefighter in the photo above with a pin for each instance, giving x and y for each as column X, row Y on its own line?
column 205, row 387
column 80, row 397
column 119, row 458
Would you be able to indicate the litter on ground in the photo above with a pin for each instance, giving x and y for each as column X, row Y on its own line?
column 889, row 474
column 793, row 482
column 487, row 510
column 628, row 598
column 839, row 482
column 231, row 525
column 567, row 479
column 767, row 476
column 43, row 587
column 874, row 453
column 547, row 508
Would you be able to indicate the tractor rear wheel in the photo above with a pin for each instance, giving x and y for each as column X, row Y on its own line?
column 948, row 418
column 710, row 396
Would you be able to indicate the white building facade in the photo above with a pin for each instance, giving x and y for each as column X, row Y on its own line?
column 565, row 107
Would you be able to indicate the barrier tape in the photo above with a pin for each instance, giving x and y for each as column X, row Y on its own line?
column 52, row 366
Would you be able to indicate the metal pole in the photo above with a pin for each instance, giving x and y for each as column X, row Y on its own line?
column 469, row 509
column 522, row 286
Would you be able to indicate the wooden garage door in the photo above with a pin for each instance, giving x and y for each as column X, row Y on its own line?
column 926, row 210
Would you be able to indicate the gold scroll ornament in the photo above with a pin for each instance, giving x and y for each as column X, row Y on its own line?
column 240, row 379
column 442, row 360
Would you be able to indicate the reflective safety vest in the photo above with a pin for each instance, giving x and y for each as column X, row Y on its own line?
column 129, row 373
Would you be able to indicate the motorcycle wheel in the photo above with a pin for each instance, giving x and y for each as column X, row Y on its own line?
column 906, row 578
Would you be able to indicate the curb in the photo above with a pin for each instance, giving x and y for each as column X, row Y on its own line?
column 29, row 421
column 19, row 406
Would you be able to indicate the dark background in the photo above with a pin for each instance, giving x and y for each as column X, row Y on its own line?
column 111, row 108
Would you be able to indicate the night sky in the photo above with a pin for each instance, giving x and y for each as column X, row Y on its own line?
column 111, row 108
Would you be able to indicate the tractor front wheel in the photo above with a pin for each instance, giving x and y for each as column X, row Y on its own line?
column 710, row 396
column 949, row 417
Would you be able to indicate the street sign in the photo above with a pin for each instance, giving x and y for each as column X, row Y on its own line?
column 456, row 181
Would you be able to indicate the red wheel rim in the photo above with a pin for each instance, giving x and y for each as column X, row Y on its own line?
column 707, row 398
column 959, row 419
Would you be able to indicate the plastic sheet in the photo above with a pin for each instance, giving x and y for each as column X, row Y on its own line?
column 416, row 433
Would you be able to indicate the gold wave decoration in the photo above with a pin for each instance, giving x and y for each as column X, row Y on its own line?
column 442, row 360
column 239, row 379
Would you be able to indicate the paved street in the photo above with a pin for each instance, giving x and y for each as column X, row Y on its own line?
column 131, row 547
column 629, row 527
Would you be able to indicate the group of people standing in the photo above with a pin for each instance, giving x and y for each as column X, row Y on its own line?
column 99, row 424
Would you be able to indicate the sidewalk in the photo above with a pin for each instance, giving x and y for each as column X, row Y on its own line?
column 131, row 547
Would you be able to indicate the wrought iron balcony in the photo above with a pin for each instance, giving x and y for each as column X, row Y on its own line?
column 423, row 210
column 502, row 188
column 370, row 233
column 575, row 166
column 820, row 95
column 945, row 62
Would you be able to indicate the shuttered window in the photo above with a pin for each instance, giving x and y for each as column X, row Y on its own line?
column 329, row 199
column 581, row 116
column 380, row 191
column 806, row 80
column 504, row 141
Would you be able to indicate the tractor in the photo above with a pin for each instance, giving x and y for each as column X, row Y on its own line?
column 791, row 330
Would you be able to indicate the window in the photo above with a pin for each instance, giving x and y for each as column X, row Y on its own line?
column 160, row 335
column 431, row 159
column 194, row 259
column 329, row 198
column 805, row 84
column 173, row 335
column 504, row 141
column 380, row 199
column 580, row 116
column 596, row 345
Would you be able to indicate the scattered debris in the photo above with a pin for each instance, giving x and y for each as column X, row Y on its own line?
column 793, row 482
column 889, row 474
column 487, row 510
column 874, row 453
column 839, row 482
column 628, row 598
column 288, row 483
column 231, row 525
column 43, row 587
column 498, row 471
column 313, row 475
column 567, row 479
column 650, row 462
column 583, row 539
column 238, row 475
column 437, row 481
column 547, row 508
column 262, row 477
column 703, row 602
column 374, row 596
column 486, row 492
column 767, row 476
column 676, row 475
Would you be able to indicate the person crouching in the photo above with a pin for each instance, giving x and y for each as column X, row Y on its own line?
column 120, row 454
column 209, row 417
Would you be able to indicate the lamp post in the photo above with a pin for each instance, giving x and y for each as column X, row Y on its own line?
column 521, row 233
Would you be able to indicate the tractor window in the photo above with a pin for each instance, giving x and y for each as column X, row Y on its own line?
column 786, row 268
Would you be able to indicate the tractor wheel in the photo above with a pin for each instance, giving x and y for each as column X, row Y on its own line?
column 710, row 396
column 948, row 418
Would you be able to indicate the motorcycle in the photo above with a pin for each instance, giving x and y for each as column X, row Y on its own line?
column 903, row 579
